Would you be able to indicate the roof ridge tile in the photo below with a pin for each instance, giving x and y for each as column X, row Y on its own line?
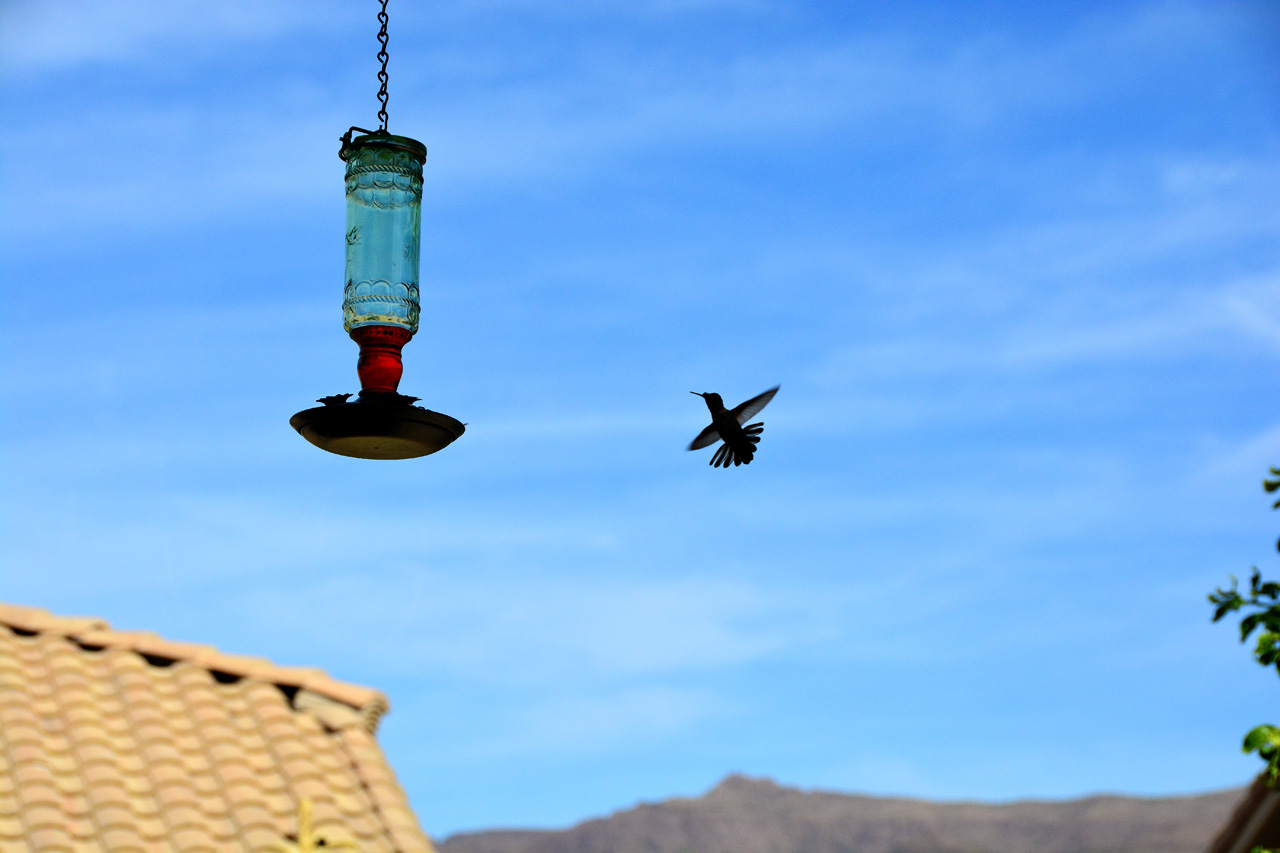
column 91, row 631
column 41, row 620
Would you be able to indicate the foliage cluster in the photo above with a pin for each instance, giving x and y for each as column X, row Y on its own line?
column 1263, row 599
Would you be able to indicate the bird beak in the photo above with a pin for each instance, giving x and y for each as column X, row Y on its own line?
column 697, row 394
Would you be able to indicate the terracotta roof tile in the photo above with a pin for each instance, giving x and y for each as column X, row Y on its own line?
column 121, row 838
column 42, row 813
column 130, row 762
column 407, row 837
column 63, row 767
column 190, row 839
column 81, row 829
column 32, row 777
column 76, row 805
column 260, row 836
column 125, row 741
column 114, row 814
column 207, row 785
column 23, row 733
column 221, row 828
column 109, row 796
column 152, row 828
column 312, row 787
column 184, row 814
column 53, row 839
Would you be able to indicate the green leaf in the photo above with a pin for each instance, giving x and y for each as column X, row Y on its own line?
column 1225, row 608
column 1268, row 648
column 1225, row 600
column 1261, row 736
column 1265, row 740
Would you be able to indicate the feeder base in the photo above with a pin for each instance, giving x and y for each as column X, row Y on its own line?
column 376, row 426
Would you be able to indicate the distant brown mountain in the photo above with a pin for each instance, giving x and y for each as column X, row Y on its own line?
column 745, row 815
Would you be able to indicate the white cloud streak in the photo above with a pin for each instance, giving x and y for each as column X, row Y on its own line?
column 518, row 130
column 517, row 630
column 60, row 35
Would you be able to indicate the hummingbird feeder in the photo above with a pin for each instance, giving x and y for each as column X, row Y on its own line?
column 380, row 304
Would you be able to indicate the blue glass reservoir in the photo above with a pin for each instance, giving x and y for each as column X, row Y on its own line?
column 384, row 231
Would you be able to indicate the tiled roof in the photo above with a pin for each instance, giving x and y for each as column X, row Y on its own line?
column 114, row 741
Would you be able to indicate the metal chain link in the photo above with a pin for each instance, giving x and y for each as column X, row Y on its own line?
column 383, row 56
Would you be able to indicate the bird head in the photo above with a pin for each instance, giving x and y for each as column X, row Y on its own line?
column 713, row 400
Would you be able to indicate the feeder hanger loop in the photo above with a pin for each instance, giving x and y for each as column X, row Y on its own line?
column 383, row 77
column 383, row 56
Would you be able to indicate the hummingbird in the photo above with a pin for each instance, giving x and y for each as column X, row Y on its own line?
column 727, row 426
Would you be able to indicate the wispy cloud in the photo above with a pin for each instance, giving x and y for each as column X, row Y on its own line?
column 39, row 36
column 60, row 35
column 588, row 725
column 515, row 629
column 540, row 127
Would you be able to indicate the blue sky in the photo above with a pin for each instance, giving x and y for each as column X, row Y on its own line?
column 1014, row 265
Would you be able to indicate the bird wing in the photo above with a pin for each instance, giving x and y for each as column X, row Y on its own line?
column 706, row 438
column 744, row 411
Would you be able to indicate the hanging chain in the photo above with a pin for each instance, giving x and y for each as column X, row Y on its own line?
column 382, row 75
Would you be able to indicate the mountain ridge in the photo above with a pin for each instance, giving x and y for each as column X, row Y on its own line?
column 744, row 814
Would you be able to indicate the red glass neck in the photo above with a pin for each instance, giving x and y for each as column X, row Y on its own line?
column 380, row 366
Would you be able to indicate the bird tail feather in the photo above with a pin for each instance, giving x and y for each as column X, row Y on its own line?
column 727, row 455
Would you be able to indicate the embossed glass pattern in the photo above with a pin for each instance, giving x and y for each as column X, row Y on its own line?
column 384, row 226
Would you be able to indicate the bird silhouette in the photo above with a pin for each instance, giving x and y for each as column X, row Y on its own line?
column 727, row 425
